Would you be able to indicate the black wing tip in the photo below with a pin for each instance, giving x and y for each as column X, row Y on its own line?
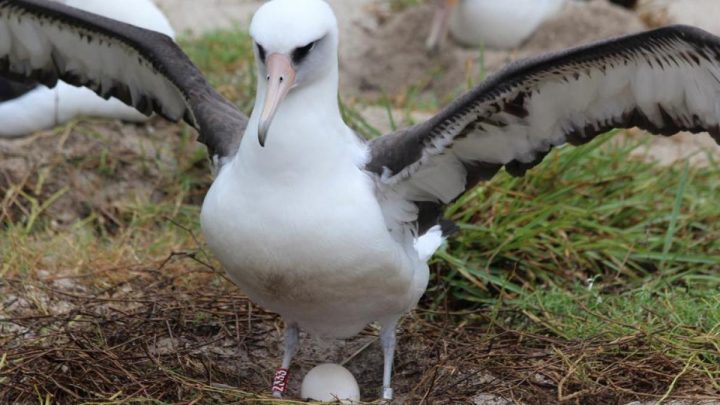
column 11, row 90
column 448, row 228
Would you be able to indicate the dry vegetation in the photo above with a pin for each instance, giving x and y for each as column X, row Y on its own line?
column 153, row 334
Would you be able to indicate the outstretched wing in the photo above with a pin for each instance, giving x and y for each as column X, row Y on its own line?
column 46, row 41
column 663, row 81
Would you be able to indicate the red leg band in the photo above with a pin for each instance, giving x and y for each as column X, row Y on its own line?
column 280, row 381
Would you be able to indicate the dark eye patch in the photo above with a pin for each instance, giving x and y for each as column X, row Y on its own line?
column 261, row 52
column 299, row 54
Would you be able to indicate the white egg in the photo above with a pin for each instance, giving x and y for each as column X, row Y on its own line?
column 329, row 382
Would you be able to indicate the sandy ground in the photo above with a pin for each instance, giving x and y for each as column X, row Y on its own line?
column 195, row 17
column 93, row 166
column 701, row 13
column 393, row 55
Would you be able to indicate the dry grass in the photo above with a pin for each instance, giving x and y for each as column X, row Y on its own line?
column 151, row 334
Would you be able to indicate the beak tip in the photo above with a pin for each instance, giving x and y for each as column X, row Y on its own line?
column 262, row 135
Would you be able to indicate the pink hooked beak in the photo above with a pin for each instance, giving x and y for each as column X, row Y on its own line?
column 280, row 78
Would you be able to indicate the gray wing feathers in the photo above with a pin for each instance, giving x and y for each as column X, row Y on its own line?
column 663, row 81
column 46, row 41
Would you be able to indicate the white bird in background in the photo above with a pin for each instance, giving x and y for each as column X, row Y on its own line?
column 329, row 230
column 496, row 24
column 25, row 109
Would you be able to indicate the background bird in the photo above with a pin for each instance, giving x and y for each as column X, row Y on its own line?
column 495, row 24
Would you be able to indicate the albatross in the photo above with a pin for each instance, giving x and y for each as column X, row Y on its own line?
column 496, row 24
column 312, row 222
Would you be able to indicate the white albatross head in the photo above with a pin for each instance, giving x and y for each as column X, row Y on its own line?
column 295, row 46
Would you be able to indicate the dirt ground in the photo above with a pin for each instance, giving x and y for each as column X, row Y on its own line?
column 149, row 332
column 393, row 55
column 196, row 17
column 93, row 167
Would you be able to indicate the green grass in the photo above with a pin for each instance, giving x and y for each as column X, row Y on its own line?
column 682, row 323
column 595, row 244
column 226, row 58
column 399, row 5
column 589, row 213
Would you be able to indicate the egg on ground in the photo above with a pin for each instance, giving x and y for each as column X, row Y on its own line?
column 330, row 382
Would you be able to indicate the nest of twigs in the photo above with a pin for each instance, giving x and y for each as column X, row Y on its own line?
column 179, row 332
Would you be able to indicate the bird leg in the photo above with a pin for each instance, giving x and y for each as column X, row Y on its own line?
column 440, row 24
column 388, row 339
column 290, row 347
